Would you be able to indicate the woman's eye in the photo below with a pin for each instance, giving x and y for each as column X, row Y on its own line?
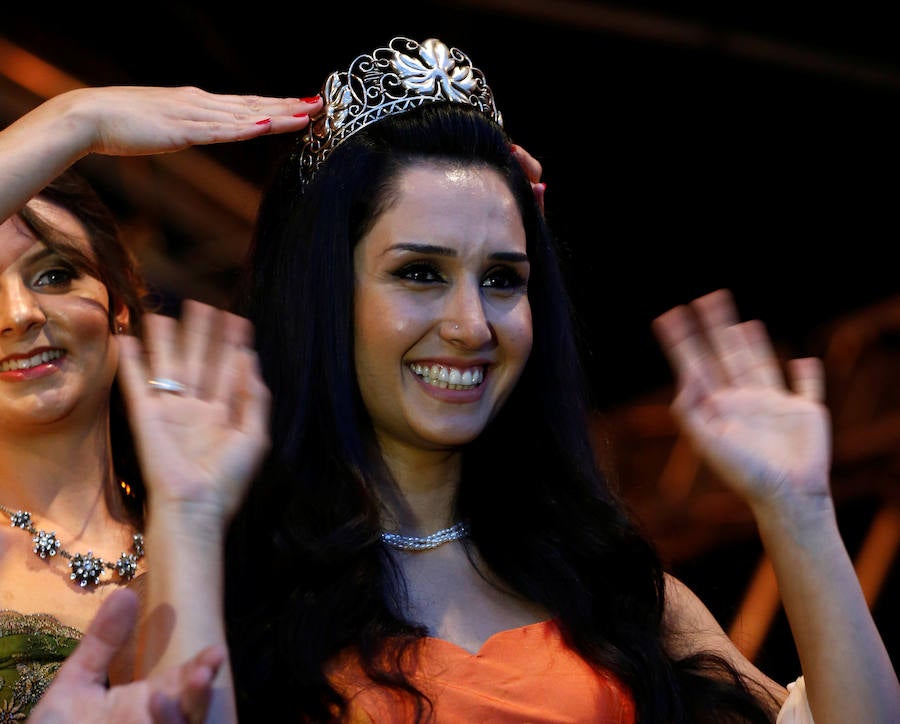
column 503, row 278
column 56, row 277
column 419, row 273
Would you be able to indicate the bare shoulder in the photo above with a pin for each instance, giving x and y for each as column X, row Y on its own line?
column 690, row 628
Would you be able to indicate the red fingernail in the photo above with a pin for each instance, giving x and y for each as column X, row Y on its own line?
column 513, row 147
column 264, row 122
column 310, row 99
column 301, row 115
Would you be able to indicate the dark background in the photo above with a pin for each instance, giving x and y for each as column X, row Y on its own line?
column 686, row 146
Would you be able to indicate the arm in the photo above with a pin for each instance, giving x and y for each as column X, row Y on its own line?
column 199, row 450
column 690, row 627
column 129, row 121
column 771, row 444
column 79, row 692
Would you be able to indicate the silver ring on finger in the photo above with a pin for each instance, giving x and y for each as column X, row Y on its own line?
column 165, row 384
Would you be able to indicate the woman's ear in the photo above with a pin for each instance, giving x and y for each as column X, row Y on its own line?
column 122, row 320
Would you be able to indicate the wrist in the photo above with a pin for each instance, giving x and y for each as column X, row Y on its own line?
column 186, row 522
column 73, row 109
column 810, row 520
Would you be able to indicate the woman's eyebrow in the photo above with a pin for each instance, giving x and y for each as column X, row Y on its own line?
column 510, row 256
column 423, row 249
column 41, row 253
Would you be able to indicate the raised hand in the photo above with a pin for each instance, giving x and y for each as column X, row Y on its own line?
column 768, row 440
column 79, row 694
column 136, row 120
column 131, row 121
column 198, row 407
column 199, row 413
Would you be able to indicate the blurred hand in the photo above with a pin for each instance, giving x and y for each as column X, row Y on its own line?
column 198, row 448
column 79, row 695
column 769, row 442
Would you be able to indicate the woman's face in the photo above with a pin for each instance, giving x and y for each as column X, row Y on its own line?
column 56, row 352
column 442, row 319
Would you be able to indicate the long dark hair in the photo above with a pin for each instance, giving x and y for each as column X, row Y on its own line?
column 115, row 265
column 307, row 574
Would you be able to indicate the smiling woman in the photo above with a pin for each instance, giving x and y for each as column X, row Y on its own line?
column 437, row 541
column 72, row 319
column 430, row 537
column 442, row 322
column 57, row 365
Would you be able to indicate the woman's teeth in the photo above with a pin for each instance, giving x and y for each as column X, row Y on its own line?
column 449, row 378
column 29, row 362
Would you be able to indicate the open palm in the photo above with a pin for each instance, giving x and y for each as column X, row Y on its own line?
column 768, row 441
column 201, row 444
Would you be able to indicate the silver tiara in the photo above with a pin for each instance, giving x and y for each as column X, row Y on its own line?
column 390, row 81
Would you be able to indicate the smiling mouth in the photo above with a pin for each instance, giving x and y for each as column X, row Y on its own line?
column 449, row 378
column 25, row 363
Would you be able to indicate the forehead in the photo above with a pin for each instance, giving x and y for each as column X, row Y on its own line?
column 451, row 203
column 434, row 179
column 16, row 239
column 61, row 219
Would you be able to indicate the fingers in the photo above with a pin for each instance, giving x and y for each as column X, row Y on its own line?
column 529, row 163
column 194, row 681
column 807, row 377
column 220, row 360
column 212, row 339
column 234, row 337
column 198, row 676
column 107, row 633
column 539, row 191
column 704, row 339
column 687, row 351
column 745, row 354
column 533, row 170
column 252, row 405
column 162, row 343
column 132, row 371
column 199, row 340
column 140, row 120
column 166, row 710
column 203, row 351
column 707, row 346
column 218, row 118
column 756, row 363
column 743, row 349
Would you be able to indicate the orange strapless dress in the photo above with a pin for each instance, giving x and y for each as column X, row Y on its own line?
column 522, row 675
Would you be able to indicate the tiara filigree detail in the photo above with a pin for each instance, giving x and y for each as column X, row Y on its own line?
column 391, row 80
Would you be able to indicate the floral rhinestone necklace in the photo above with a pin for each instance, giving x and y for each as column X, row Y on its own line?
column 86, row 569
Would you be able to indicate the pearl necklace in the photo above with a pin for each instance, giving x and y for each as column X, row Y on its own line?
column 417, row 543
column 86, row 569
